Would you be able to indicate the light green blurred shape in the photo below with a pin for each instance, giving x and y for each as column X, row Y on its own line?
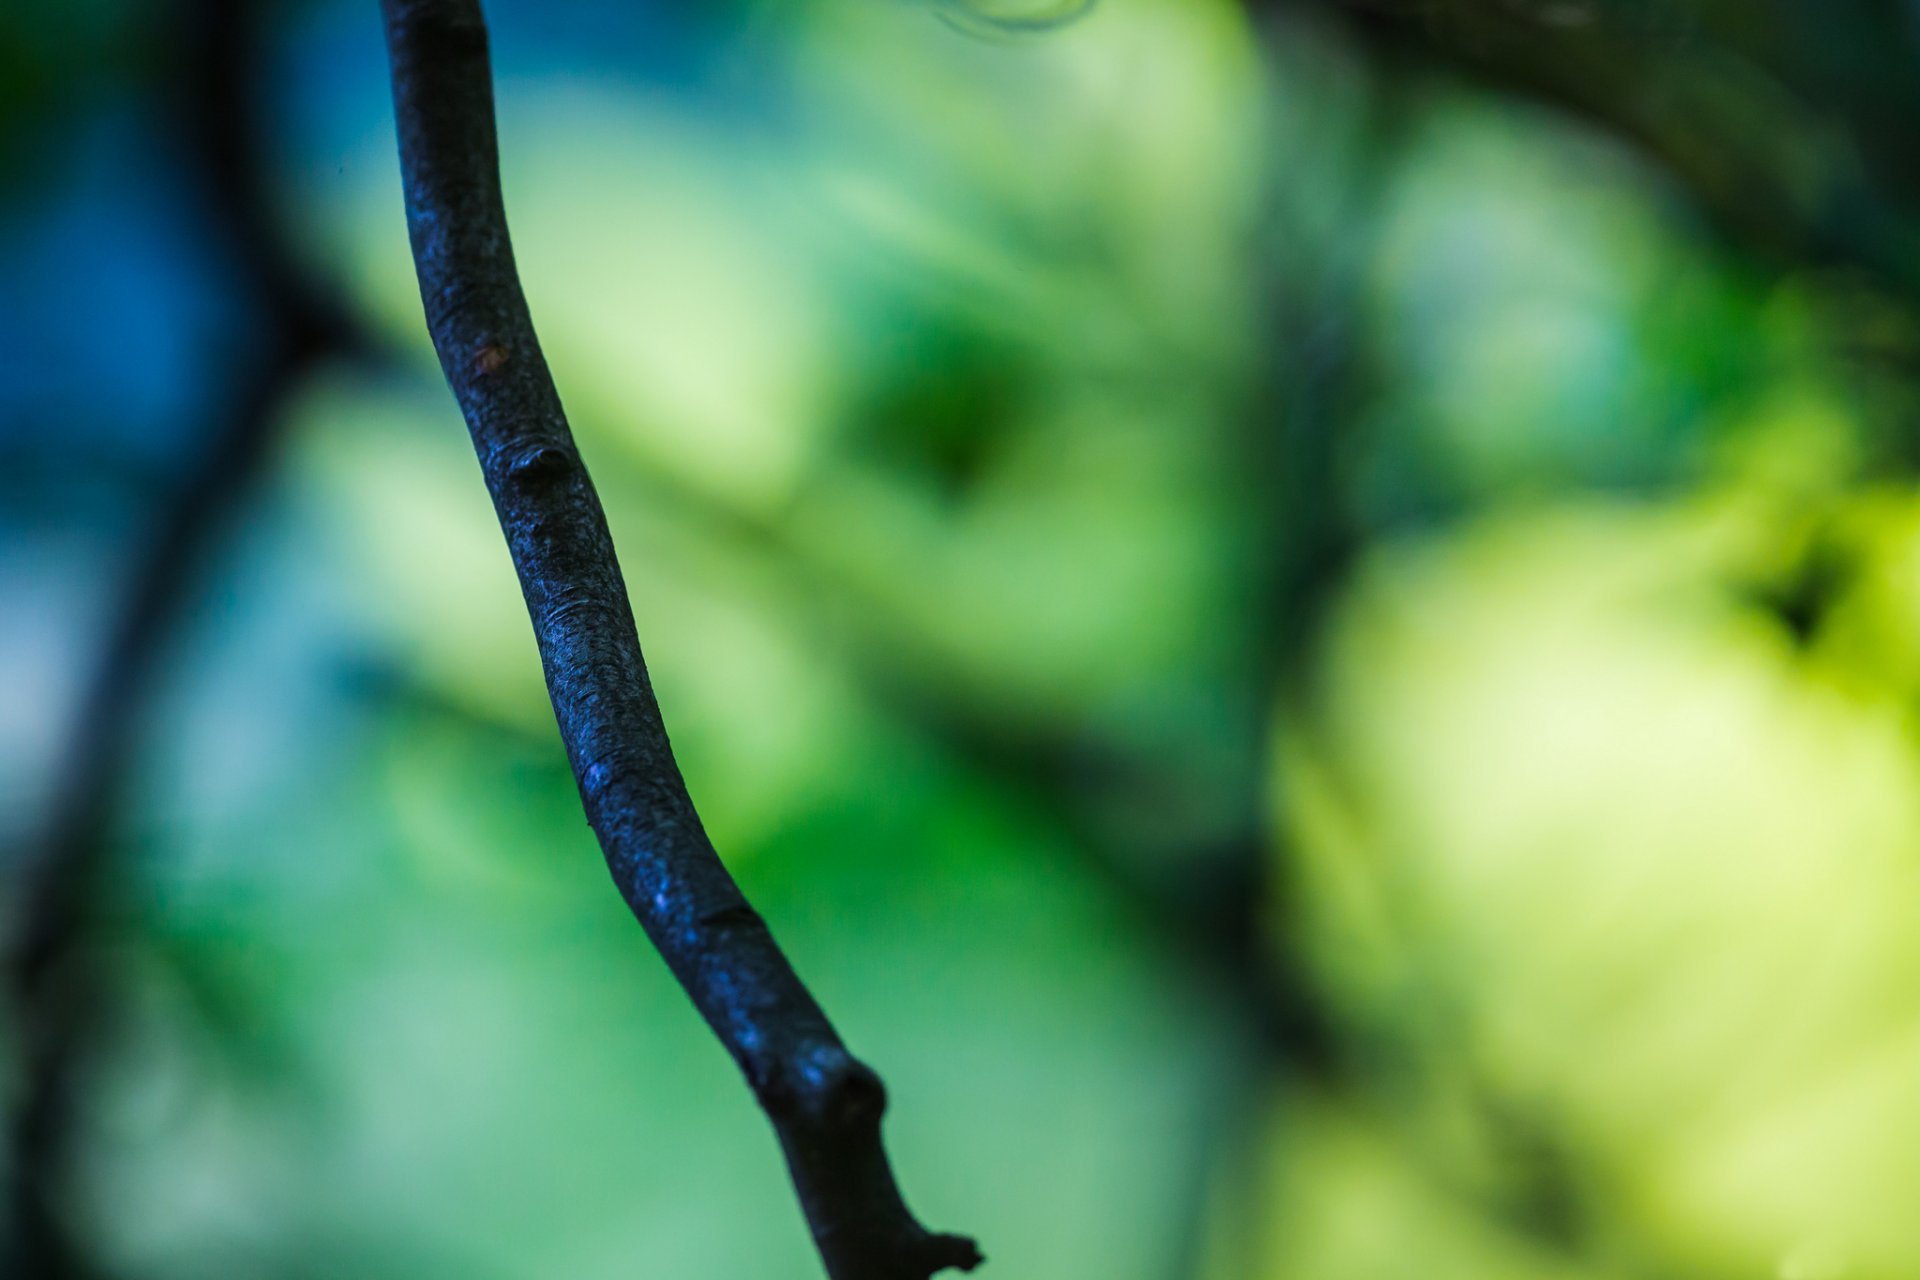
column 1090, row 557
column 655, row 255
column 1343, row 1193
column 683, row 316
column 396, row 480
column 1549, row 318
column 1588, row 837
column 1095, row 179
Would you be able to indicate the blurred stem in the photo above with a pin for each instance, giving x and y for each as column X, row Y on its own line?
column 1737, row 105
column 59, row 980
column 824, row 1104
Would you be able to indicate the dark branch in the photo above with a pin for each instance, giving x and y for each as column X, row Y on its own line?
column 824, row 1104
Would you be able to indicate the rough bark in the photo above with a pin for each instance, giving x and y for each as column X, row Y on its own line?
column 824, row 1104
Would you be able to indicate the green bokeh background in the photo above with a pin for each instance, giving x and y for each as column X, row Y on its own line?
column 965, row 398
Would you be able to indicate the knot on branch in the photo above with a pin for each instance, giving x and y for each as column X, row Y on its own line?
column 825, row 1091
column 541, row 466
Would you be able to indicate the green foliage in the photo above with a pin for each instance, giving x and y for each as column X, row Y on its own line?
column 946, row 393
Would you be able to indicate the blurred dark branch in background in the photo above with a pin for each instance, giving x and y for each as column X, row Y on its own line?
column 60, row 981
column 825, row 1105
column 1789, row 125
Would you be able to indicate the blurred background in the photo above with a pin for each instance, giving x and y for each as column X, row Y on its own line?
column 1304, row 616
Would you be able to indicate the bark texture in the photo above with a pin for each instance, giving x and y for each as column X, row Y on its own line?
column 825, row 1105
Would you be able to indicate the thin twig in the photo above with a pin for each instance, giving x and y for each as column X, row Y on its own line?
column 824, row 1104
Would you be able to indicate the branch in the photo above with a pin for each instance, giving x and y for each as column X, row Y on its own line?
column 824, row 1104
